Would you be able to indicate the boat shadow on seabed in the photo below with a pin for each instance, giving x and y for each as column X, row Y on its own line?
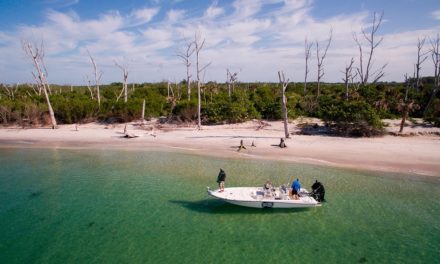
column 212, row 206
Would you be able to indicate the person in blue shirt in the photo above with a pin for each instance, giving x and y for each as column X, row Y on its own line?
column 296, row 186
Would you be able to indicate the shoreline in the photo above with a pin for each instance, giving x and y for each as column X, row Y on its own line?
column 417, row 155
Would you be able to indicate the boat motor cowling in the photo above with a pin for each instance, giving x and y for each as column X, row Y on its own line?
column 318, row 191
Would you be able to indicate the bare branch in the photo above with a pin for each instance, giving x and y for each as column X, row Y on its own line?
column 186, row 58
column 98, row 75
column 372, row 45
column 320, row 58
column 307, row 53
column 124, row 85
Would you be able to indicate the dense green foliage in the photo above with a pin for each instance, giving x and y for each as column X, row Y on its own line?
column 358, row 115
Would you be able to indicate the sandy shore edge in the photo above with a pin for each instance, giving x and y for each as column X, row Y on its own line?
column 417, row 155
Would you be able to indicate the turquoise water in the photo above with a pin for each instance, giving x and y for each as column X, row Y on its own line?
column 101, row 206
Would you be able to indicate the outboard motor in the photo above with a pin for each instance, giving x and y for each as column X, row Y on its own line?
column 318, row 191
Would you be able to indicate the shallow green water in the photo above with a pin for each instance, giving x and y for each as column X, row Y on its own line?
column 100, row 206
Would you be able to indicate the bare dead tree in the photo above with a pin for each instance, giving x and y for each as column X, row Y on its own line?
column 407, row 85
column 124, row 85
column 186, row 58
column 421, row 57
column 365, row 71
column 348, row 76
column 37, row 83
column 9, row 91
column 170, row 91
column 284, row 84
column 88, row 83
column 435, row 56
column 320, row 57
column 307, row 53
column 143, row 111
column 231, row 79
column 31, row 85
column 36, row 54
column 198, row 46
column 98, row 75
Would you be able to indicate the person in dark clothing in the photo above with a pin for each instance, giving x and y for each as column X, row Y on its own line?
column 282, row 143
column 221, row 178
column 318, row 191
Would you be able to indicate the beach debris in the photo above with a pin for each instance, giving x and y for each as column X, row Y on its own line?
column 130, row 136
column 282, row 143
column 253, row 144
column 262, row 124
column 241, row 145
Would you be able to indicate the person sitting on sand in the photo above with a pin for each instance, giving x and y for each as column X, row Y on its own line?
column 296, row 186
column 282, row 143
column 221, row 178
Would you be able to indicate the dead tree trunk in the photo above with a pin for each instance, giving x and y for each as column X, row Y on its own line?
column 186, row 58
column 232, row 78
column 125, row 84
column 320, row 59
column 37, row 54
column 143, row 111
column 348, row 75
column 435, row 55
column 198, row 46
column 308, row 53
column 407, row 85
column 98, row 75
column 284, row 84
column 88, row 82
column 421, row 57
column 365, row 71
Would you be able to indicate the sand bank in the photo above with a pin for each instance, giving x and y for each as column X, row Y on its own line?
column 414, row 155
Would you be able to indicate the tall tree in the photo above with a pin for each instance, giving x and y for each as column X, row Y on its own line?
column 284, row 84
column 98, row 75
column 198, row 46
column 186, row 58
column 307, row 53
column 320, row 57
column 365, row 71
column 36, row 54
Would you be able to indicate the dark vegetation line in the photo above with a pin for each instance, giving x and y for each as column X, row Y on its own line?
column 359, row 114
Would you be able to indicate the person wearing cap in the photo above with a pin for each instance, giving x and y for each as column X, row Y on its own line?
column 221, row 178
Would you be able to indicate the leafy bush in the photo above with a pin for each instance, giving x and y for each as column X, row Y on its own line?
column 433, row 114
column 351, row 118
column 185, row 111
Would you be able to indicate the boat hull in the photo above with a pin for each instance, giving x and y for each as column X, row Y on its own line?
column 256, row 197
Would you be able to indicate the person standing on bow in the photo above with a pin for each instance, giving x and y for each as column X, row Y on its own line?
column 221, row 178
column 296, row 186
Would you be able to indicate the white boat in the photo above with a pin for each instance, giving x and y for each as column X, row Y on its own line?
column 259, row 197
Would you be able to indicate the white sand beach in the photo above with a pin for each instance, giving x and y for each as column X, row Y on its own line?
column 417, row 152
